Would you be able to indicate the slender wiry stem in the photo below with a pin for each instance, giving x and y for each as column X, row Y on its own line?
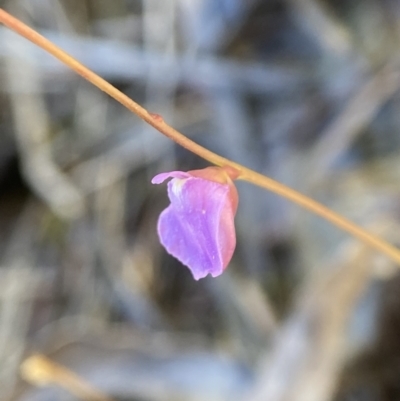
column 238, row 170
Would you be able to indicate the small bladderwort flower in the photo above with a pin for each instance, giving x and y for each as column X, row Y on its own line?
column 197, row 228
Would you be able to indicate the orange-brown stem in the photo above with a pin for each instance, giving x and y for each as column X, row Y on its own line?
column 158, row 123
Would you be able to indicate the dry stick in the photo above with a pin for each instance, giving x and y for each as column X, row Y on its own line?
column 238, row 171
column 41, row 371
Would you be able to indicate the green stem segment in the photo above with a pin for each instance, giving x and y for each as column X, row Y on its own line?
column 237, row 170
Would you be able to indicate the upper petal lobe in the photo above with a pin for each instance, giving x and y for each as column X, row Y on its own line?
column 192, row 227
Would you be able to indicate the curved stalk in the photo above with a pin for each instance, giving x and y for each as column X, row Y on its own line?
column 238, row 171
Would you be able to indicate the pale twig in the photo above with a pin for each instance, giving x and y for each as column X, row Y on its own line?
column 310, row 348
column 41, row 371
column 32, row 134
column 357, row 113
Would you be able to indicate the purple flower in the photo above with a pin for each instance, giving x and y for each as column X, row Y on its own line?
column 197, row 227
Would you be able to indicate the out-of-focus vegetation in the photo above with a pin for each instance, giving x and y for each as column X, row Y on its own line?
column 305, row 91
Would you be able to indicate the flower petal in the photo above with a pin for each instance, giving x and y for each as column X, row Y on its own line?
column 160, row 178
column 197, row 228
column 176, row 237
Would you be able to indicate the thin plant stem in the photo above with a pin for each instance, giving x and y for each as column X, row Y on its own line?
column 236, row 170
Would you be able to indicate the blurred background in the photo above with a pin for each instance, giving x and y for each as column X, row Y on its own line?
column 304, row 91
